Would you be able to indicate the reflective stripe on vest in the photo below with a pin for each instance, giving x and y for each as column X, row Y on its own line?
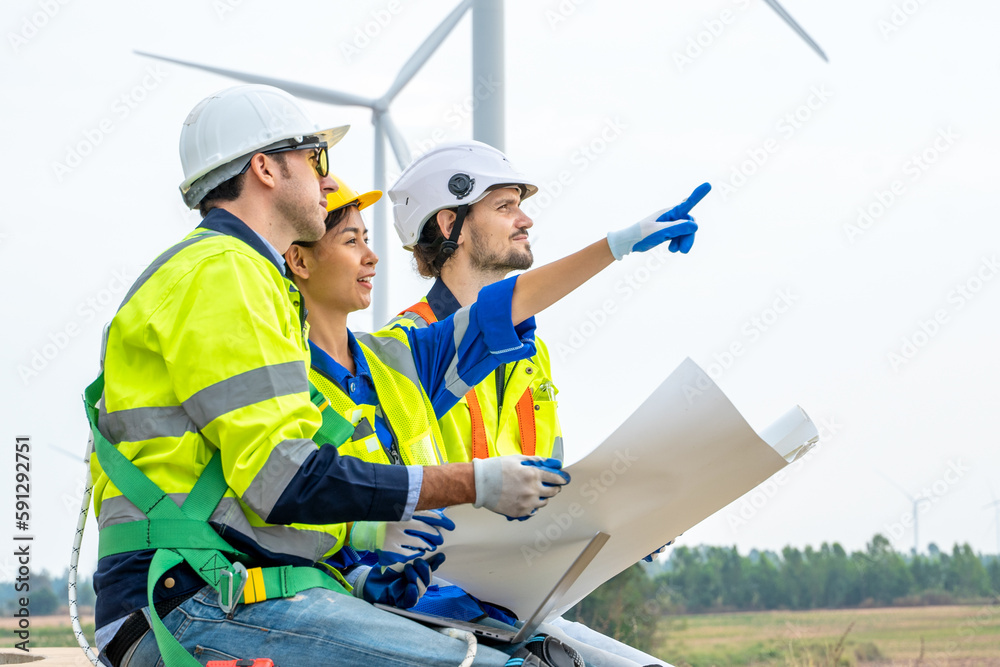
column 525, row 405
column 403, row 404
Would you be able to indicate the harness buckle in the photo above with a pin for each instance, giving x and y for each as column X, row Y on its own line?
column 229, row 605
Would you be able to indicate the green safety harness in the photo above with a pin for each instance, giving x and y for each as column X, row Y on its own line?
column 183, row 534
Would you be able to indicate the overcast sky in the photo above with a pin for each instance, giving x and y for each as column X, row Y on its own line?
column 848, row 254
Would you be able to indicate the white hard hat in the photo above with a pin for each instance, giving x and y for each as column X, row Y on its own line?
column 235, row 123
column 447, row 176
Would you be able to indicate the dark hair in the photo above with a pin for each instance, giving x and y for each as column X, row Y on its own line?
column 232, row 189
column 226, row 191
column 427, row 252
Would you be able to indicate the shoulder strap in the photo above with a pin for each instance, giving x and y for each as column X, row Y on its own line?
column 334, row 429
column 423, row 309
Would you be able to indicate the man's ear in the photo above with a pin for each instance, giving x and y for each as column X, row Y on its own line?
column 446, row 221
column 296, row 260
column 263, row 169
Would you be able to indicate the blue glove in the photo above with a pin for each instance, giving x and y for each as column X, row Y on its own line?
column 652, row 230
column 649, row 558
column 400, row 541
column 401, row 587
column 516, row 486
column 548, row 465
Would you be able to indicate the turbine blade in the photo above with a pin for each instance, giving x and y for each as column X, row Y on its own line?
column 301, row 90
column 396, row 140
column 425, row 51
column 796, row 27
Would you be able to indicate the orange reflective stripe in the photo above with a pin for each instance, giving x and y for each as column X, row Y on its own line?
column 480, row 448
column 526, row 422
column 423, row 309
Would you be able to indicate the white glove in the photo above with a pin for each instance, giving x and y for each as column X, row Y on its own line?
column 516, row 486
column 674, row 223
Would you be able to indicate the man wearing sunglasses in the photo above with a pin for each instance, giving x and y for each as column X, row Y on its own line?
column 217, row 482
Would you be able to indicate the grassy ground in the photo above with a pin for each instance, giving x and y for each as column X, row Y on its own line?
column 955, row 636
column 47, row 631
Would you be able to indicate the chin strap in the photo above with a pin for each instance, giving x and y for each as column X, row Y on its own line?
column 449, row 246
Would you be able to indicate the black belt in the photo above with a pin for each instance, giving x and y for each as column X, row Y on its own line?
column 136, row 625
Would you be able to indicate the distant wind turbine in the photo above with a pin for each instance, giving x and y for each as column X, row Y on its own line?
column 996, row 506
column 916, row 510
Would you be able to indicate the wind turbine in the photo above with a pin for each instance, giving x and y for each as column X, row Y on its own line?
column 487, row 123
column 916, row 510
column 996, row 506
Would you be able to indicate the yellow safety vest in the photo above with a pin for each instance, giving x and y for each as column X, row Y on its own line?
column 172, row 393
column 403, row 404
column 526, row 424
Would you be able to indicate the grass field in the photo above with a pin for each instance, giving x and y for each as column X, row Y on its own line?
column 954, row 636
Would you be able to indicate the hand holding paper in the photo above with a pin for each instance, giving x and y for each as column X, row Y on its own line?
column 516, row 486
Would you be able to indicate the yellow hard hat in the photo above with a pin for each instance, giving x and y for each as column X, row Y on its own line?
column 346, row 195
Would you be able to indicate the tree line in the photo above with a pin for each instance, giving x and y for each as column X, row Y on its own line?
column 717, row 579
column 714, row 579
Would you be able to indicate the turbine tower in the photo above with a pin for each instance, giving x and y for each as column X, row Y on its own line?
column 916, row 510
column 996, row 506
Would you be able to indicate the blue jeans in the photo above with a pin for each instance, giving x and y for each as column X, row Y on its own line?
column 317, row 627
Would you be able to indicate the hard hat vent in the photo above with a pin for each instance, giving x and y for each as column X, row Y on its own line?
column 461, row 185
